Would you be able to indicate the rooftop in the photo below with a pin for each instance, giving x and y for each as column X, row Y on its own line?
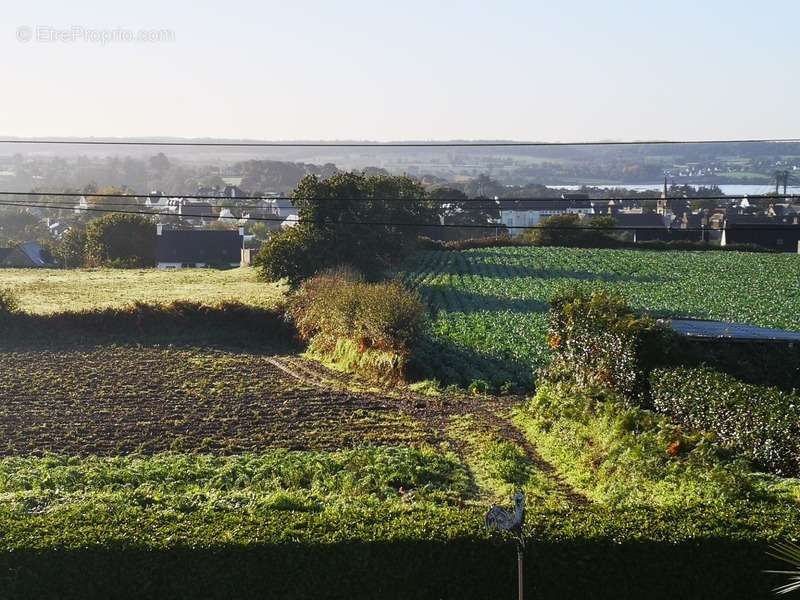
column 736, row 331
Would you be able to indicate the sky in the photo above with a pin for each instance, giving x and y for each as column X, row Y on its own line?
column 565, row 70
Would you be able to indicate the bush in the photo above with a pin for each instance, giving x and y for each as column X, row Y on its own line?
column 426, row 243
column 293, row 254
column 367, row 325
column 597, row 340
column 571, row 230
column 121, row 240
column 761, row 423
column 8, row 303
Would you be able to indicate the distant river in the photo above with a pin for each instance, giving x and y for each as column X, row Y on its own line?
column 730, row 190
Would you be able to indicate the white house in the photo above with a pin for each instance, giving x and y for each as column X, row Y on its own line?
column 518, row 214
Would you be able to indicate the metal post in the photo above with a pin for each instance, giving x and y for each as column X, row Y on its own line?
column 521, row 571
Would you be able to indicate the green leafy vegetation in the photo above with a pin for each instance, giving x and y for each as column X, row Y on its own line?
column 329, row 234
column 761, row 423
column 8, row 303
column 623, row 456
column 367, row 326
column 120, row 240
column 168, row 466
column 489, row 305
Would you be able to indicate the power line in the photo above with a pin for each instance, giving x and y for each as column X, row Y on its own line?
column 776, row 227
column 453, row 144
column 405, row 199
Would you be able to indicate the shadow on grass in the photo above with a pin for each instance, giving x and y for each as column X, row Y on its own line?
column 463, row 569
column 450, row 364
column 471, row 302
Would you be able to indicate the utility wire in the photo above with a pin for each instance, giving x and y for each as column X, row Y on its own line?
column 454, row 144
column 776, row 227
column 487, row 201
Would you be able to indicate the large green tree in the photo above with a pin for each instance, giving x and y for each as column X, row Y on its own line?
column 350, row 218
column 71, row 249
column 124, row 240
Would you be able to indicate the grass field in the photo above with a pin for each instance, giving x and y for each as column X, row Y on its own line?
column 46, row 291
column 232, row 467
column 489, row 305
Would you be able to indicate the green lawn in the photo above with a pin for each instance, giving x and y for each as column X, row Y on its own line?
column 46, row 291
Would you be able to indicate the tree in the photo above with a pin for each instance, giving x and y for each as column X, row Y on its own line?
column 121, row 240
column 159, row 163
column 71, row 250
column 570, row 230
column 17, row 225
column 455, row 208
column 329, row 232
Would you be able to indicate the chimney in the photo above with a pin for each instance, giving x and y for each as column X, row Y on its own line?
column 159, row 228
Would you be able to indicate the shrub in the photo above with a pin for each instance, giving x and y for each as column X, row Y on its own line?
column 625, row 455
column 598, row 340
column 293, row 254
column 122, row 240
column 571, row 230
column 348, row 319
column 479, row 387
column 500, row 241
column 8, row 302
column 71, row 250
column 761, row 423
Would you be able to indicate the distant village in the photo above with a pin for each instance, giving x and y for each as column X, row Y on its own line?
column 771, row 223
column 224, row 224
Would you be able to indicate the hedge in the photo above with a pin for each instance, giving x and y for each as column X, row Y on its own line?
column 168, row 321
column 587, row 552
column 761, row 423
column 597, row 340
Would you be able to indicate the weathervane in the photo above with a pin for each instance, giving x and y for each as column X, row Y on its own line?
column 499, row 519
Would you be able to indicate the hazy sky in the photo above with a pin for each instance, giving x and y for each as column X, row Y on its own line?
column 345, row 69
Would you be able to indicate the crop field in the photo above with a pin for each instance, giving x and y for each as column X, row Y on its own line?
column 489, row 305
column 47, row 291
column 212, row 461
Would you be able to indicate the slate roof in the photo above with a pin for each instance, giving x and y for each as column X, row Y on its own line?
column 198, row 246
column 638, row 220
column 736, row 331
column 564, row 205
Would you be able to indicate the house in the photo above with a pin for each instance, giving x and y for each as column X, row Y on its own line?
column 776, row 233
column 187, row 248
column 518, row 214
column 641, row 227
column 29, row 254
column 196, row 210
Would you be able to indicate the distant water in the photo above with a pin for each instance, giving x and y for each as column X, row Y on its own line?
column 730, row 190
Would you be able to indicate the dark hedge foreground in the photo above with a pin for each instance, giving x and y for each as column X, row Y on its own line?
column 463, row 570
column 701, row 552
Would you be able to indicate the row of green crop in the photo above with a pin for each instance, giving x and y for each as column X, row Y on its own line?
column 490, row 304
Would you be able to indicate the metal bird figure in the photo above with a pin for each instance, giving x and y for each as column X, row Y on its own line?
column 500, row 518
